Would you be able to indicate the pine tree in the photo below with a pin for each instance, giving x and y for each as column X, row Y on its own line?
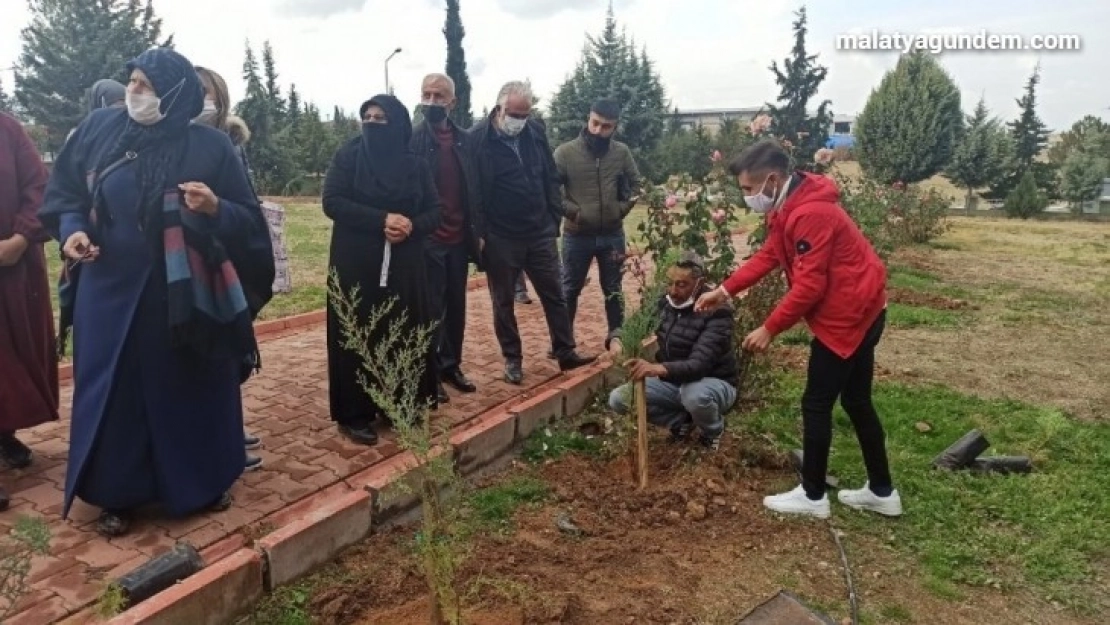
column 799, row 80
column 273, row 90
column 1025, row 200
column 908, row 127
column 5, row 100
column 611, row 67
column 456, row 65
column 295, row 112
column 982, row 154
column 1030, row 136
column 69, row 45
column 268, row 150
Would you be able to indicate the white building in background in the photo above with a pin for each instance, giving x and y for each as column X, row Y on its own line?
column 711, row 119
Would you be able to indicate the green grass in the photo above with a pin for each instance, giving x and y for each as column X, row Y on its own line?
column 493, row 508
column 1046, row 531
column 555, row 442
column 903, row 316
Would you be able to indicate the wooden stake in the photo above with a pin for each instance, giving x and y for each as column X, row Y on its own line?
column 640, row 399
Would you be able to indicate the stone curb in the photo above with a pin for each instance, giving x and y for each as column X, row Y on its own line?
column 317, row 529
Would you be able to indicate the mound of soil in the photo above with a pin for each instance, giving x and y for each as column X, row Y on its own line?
column 695, row 546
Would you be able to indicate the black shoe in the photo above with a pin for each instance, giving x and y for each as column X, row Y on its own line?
column 458, row 380
column 514, row 372
column 5, row 500
column 363, row 433
column 441, row 394
column 574, row 361
column 113, row 523
column 681, row 431
column 711, row 442
column 253, row 463
column 13, row 452
column 251, row 442
column 222, row 504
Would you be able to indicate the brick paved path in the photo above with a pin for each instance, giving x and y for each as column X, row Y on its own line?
column 286, row 404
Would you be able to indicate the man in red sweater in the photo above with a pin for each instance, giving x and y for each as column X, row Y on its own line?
column 838, row 286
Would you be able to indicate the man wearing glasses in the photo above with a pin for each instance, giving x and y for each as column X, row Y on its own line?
column 518, row 225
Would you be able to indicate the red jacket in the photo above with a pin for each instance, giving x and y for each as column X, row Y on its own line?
column 837, row 281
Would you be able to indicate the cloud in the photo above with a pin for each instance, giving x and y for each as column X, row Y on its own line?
column 317, row 8
column 539, row 9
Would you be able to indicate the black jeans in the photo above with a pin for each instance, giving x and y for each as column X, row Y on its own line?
column 539, row 259
column 448, row 268
column 579, row 251
column 831, row 377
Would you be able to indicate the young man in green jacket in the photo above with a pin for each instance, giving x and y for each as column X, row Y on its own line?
column 599, row 178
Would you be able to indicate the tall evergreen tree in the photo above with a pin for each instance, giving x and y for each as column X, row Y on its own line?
column 983, row 153
column 273, row 90
column 269, row 154
column 908, row 127
column 1030, row 136
column 1087, row 133
column 611, row 67
column 799, row 79
column 295, row 113
column 456, row 64
column 5, row 100
column 69, row 45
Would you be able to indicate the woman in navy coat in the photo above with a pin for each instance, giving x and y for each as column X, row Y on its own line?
column 168, row 259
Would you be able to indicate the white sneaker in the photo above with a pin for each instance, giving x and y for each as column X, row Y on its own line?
column 864, row 499
column 796, row 502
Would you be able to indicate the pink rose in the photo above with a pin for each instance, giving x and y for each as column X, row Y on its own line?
column 671, row 201
column 716, row 157
column 760, row 124
column 719, row 216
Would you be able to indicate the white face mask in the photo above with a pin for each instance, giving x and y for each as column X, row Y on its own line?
column 759, row 203
column 208, row 113
column 512, row 126
column 144, row 108
column 680, row 305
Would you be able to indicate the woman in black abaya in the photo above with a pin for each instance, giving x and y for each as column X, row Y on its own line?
column 380, row 197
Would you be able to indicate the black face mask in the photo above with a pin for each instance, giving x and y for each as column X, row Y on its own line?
column 435, row 113
column 597, row 143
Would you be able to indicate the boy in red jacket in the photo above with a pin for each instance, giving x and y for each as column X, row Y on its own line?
column 838, row 285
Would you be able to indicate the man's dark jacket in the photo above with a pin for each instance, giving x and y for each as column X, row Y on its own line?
column 534, row 136
column 425, row 146
column 693, row 345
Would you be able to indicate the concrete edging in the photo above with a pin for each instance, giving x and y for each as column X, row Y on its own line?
column 321, row 526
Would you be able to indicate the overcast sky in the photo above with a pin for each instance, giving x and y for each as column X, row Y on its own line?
column 709, row 53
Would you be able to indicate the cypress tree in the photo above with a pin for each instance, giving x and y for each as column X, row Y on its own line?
column 456, row 64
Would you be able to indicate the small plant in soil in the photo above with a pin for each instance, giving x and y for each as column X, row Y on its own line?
column 30, row 537
column 390, row 367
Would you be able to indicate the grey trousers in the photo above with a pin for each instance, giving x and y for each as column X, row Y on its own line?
column 704, row 401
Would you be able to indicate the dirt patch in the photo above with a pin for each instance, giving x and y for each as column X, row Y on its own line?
column 1038, row 326
column 696, row 547
column 909, row 297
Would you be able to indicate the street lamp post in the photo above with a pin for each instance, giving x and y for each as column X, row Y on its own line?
column 395, row 53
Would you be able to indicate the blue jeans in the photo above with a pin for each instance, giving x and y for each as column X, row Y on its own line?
column 668, row 404
column 578, row 252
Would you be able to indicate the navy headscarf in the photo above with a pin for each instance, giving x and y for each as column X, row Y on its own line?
column 386, row 168
column 175, row 81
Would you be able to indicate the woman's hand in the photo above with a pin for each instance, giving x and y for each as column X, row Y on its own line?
column 397, row 228
column 12, row 249
column 78, row 247
column 200, row 199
